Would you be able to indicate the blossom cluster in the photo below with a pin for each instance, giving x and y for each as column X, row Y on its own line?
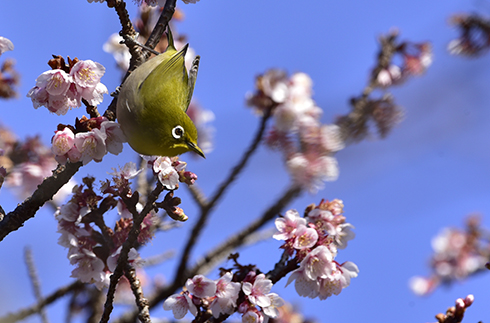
column 306, row 144
column 9, row 77
column 170, row 171
column 313, row 242
column 25, row 164
column 457, row 255
column 95, row 252
column 456, row 313
column 222, row 297
column 64, row 87
column 92, row 139
column 474, row 36
column 415, row 58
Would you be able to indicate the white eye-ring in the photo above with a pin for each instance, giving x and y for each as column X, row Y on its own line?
column 177, row 132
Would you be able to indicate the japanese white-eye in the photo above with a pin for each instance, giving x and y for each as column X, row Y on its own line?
column 152, row 105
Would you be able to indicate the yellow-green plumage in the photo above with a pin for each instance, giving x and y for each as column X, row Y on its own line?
column 152, row 105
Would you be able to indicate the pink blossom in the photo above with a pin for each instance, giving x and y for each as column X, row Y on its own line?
column 86, row 75
column 200, row 286
column 304, row 286
column 331, row 139
column 349, row 270
column 329, row 286
column 276, row 302
column 226, row 295
column 94, row 96
column 120, row 51
column 167, row 175
column 56, row 82
column 90, row 269
column 5, row 45
column 305, row 237
column 311, row 170
column 128, row 171
column 91, row 145
column 25, row 177
column 257, row 293
column 133, row 258
column 288, row 225
column 318, row 263
column 180, row 304
column 422, row 285
column 62, row 141
column 115, row 136
column 252, row 317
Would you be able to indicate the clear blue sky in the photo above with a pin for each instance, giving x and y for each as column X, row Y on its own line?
column 398, row 193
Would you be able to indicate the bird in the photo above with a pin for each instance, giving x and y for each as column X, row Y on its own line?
column 153, row 101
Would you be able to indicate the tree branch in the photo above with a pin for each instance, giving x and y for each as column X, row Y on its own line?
column 24, row 313
column 45, row 191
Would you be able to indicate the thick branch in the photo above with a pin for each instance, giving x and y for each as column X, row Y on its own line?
column 45, row 191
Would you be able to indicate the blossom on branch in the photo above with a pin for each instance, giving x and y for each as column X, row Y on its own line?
column 170, row 171
column 313, row 244
column 5, row 45
column 64, row 87
column 458, row 254
column 307, row 145
column 474, row 36
column 93, row 140
column 220, row 297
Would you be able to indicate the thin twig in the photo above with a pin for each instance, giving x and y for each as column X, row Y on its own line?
column 128, row 244
column 36, row 285
column 198, row 227
column 238, row 239
column 203, row 268
column 141, row 301
column 45, row 191
column 26, row 312
column 198, row 195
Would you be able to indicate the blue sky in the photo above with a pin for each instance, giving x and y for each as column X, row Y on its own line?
column 399, row 192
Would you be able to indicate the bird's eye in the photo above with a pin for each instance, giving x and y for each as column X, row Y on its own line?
column 177, row 132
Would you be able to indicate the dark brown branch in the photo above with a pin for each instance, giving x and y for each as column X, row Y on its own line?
column 162, row 23
column 128, row 244
column 141, row 301
column 45, row 191
column 24, row 313
column 353, row 124
column 239, row 239
column 36, row 285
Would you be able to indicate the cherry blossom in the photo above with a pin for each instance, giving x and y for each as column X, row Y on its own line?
column 305, row 237
column 257, row 292
column 273, row 309
column 180, row 304
column 91, row 145
column 60, row 91
column 5, row 45
column 226, row 295
column 201, row 286
column 252, row 317
column 288, row 225
column 167, row 174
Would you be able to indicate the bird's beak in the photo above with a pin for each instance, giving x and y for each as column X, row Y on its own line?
column 195, row 149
